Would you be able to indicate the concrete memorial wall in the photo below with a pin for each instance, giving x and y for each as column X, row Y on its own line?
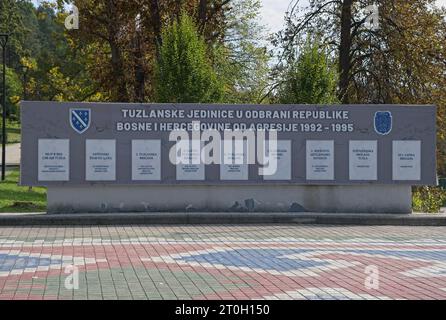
column 167, row 157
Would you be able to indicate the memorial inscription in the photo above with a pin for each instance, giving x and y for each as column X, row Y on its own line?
column 146, row 160
column 234, row 164
column 100, row 160
column 54, row 159
column 283, row 157
column 320, row 160
column 406, row 160
column 190, row 166
column 363, row 160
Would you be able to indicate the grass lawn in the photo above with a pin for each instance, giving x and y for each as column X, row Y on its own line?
column 18, row 199
column 12, row 131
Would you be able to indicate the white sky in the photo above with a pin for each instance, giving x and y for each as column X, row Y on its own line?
column 273, row 11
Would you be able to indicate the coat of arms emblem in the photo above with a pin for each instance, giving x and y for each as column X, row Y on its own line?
column 383, row 122
column 80, row 119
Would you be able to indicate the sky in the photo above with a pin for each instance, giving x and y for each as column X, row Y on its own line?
column 273, row 11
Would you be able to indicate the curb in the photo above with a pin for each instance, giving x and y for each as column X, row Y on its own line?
column 43, row 219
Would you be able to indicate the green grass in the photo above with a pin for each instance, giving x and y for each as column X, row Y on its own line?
column 12, row 131
column 19, row 199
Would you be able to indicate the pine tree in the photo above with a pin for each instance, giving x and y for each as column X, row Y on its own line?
column 183, row 72
column 309, row 79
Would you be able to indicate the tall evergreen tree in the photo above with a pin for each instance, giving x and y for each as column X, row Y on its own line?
column 309, row 79
column 183, row 72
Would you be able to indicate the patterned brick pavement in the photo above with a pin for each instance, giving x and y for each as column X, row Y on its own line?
column 223, row 262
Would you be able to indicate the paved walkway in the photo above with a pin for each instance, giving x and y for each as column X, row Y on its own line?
column 223, row 262
column 219, row 218
column 12, row 154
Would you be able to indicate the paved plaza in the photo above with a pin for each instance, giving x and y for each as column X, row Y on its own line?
column 223, row 262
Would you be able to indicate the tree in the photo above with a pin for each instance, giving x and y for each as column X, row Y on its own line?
column 13, row 92
column 241, row 58
column 310, row 79
column 338, row 23
column 61, row 71
column 39, row 43
column 12, row 22
column 367, row 55
column 403, row 60
column 127, row 37
column 183, row 72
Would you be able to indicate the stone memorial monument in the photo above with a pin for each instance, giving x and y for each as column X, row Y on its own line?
column 121, row 157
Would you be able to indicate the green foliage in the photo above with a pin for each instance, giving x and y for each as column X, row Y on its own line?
column 242, row 60
column 15, row 22
column 428, row 199
column 61, row 63
column 79, row 65
column 20, row 199
column 183, row 72
column 13, row 93
column 56, row 67
column 310, row 79
column 12, row 131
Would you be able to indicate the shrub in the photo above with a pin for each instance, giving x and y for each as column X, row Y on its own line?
column 310, row 79
column 428, row 199
column 183, row 71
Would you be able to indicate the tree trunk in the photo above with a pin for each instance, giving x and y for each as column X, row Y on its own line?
column 138, row 68
column 118, row 73
column 202, row 13
column 116, row 57
column 156, row 22
column 345, row 50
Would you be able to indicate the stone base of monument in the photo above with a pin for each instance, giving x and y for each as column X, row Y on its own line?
column 231, row 198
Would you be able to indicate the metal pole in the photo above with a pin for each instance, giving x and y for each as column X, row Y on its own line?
column 3, row 43
column 25, row 71
column 24, row 83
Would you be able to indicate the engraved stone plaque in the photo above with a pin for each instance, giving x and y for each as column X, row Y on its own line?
column 146, row 160
column 54, row 160
column 363, row 160
column 320, row 160
column 406, row 160
column 100, row 160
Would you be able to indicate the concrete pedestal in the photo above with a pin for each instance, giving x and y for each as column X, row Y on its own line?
column 255, row 198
